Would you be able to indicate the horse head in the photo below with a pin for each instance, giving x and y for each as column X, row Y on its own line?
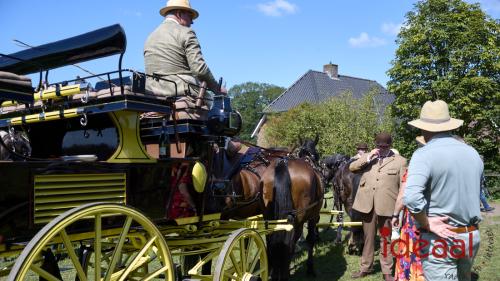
column 331, row 164
column 308, row 149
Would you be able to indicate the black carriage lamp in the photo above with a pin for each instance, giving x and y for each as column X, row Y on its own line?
column 96, row 44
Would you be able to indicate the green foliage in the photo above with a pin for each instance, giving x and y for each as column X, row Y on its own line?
column 493, row 184
column 449, row 50
column 250, row 99
column 341, row 123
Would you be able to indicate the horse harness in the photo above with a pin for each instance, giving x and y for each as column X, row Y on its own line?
column 262, row 161
column 309, row 159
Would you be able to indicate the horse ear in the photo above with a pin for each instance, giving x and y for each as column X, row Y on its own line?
column 316, row 139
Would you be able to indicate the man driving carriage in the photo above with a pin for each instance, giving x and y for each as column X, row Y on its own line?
column 172, row 52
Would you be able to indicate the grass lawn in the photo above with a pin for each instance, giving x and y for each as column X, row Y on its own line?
column 332, row 264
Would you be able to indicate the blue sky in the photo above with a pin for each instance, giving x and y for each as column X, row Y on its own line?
column 271, row 41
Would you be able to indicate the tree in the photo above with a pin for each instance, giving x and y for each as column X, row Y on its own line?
column 341, row 123
column 449, row 50
column 250, row 99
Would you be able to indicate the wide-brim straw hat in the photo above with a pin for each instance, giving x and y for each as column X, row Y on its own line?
column 435, row 117
column 178, row 5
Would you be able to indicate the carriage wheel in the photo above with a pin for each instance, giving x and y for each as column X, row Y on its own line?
column 135, row 249
column 243, row 257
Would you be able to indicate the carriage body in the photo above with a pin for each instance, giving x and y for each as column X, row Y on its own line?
column 86, row 178
column 83, row 149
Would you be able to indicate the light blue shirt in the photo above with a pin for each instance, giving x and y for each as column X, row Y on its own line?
column 444, row 178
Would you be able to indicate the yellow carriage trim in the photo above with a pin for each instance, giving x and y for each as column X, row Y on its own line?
column 55, row 194
column 52, row 93
column 130, row 149
column 45, row 116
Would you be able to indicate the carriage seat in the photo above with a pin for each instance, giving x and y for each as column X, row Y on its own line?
column 15, row 87
column 115, row 91
column 185, row 105
column 185, row 109
column 9, row 77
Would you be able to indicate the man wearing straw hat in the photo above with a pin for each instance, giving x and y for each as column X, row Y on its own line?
column 442, row 192
column 172, row 52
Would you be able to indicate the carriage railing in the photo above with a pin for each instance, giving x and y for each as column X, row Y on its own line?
column 63, row 99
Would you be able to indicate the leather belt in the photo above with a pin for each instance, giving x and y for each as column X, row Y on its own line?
column 460, row 229
column 465, row 229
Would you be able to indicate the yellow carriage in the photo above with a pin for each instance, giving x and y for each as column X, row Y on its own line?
column 83, row 195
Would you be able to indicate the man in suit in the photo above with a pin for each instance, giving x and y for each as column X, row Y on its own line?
column 382, row 171
column 172, row 52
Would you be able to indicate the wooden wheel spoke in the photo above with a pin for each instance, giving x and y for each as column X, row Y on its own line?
column 97, row 247
column 207, row 258
column 156, row 273
column 229, row 275
column 42, row 273
column 249, row 252
column 243, row 256
column 118, row 249
column 137, row 261
column 239, row 266
column 235, row 263
column 255, row 260
column 116, row 257
column 71, row 252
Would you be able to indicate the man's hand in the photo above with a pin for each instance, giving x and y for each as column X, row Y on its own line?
column 439, row 226
column 375, row 153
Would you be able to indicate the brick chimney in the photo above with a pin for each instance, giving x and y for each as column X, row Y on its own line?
column 332, row 70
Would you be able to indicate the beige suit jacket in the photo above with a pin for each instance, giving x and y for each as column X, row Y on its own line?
column 379, row 184
column 173, row 52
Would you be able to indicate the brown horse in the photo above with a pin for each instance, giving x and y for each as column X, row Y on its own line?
column 345, row 186
column 293, row 190
column 246, row 198
column 254, row 190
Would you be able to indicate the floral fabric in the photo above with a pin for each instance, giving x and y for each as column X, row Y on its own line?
column 408, row 263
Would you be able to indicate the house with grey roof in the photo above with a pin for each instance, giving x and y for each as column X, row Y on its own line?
column 316, row 87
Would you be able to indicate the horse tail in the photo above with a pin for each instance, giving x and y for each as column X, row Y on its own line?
column 280, row 246
column 282, row 194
